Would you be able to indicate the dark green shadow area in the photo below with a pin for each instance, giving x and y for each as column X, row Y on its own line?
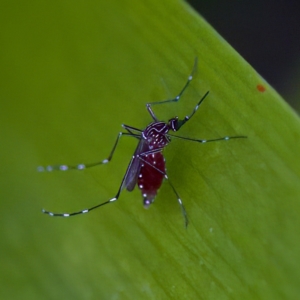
column 71, row 74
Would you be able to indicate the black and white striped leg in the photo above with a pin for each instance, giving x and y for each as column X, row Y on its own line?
column 84, row 211
column 183, row 211
column 176, row 99
column 87, row 210
column 225, row 138
column 51, row 168
column 180, row 123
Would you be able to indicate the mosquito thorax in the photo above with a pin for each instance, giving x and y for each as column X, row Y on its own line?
column 156, row 134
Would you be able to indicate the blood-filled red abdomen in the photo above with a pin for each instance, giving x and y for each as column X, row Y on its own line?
column 151, row 176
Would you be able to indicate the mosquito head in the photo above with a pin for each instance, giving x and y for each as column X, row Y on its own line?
column 175, row 124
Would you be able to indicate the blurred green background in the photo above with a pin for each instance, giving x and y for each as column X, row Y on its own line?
column 71, row 74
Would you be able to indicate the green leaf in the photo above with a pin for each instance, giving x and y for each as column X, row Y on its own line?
column 71, row 74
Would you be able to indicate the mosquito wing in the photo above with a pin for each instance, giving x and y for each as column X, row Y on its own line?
column 135, row 166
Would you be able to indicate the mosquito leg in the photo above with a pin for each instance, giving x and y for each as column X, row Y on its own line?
column 84, row 211
column 84, row 166
column 176, row 99
column 225, row 138
column 186, row 118
column 183, row 211
column 130, row 129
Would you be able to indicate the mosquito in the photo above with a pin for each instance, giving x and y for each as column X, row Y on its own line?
column 147, row 167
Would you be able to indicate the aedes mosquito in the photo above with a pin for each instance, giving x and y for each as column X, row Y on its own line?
column 147, row 165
